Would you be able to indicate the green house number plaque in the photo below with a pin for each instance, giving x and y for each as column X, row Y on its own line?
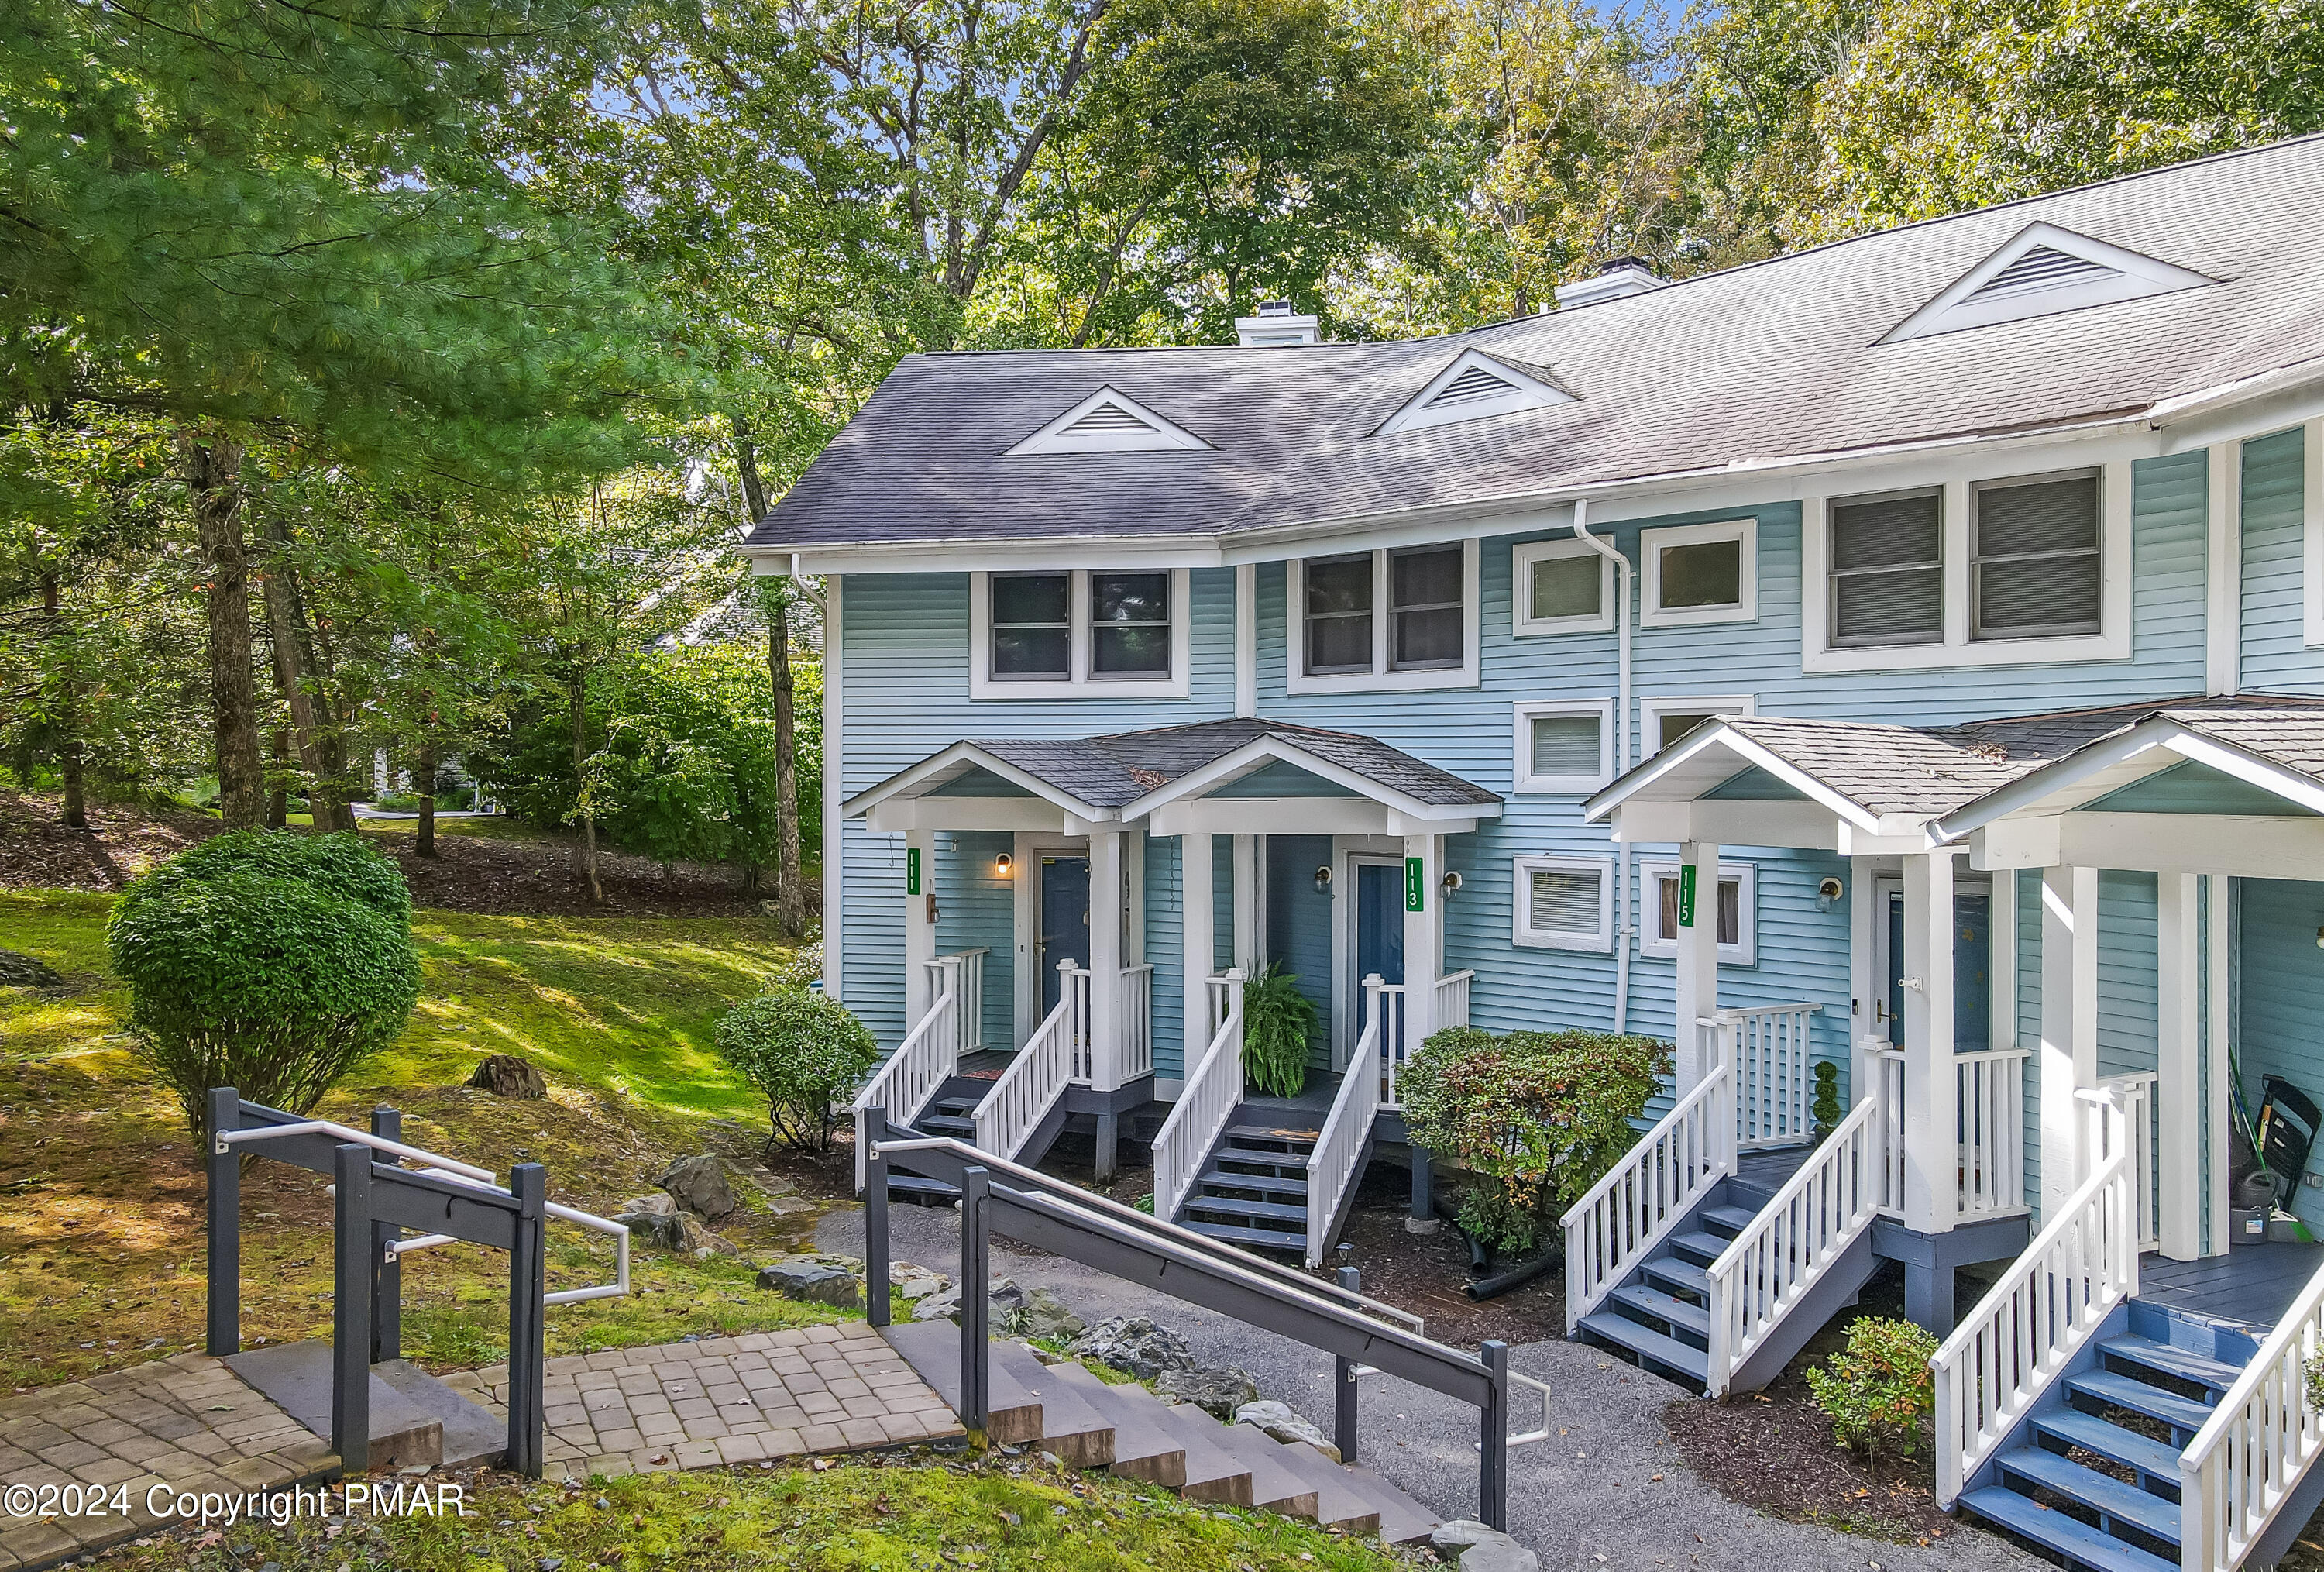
column 912, row 871
column 1415, row 888
column 1686, row 895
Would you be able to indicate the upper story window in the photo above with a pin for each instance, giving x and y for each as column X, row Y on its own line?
column 1888, row 569
column 1386, row 619
column 1565, row 746
column 1700, row 573
column 1561, row 586
column 1079, row 633
column 2037, row 567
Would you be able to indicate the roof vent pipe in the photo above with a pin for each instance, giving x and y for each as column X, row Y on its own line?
column 1276, row 325
column 1623, row 275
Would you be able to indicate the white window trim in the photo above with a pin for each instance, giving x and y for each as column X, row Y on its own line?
column 2112, row 641
column 1653, row 941
column 1652, row 710
column 1522, row 933
column 1380, row 679
column 1651, row 544
column 1526, row 392
column 1078, row 683
column 2312, row 533
column 1523, row 624
column 1522, row 762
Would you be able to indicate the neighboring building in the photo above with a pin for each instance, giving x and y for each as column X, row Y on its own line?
column 1637, row 665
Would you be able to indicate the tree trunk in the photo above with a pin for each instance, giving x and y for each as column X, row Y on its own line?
column 294, row 660
column 68, row 745
column 578, row 712
column 331, row 740
column 278, row 796
column 790, row 892
column 214, row 471
column 425, row 786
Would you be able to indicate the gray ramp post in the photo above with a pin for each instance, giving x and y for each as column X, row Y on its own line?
column 386, row 1266
column 351, row 1260
column 875, row 1223
column 1493, row 1442
column 225, row 1111
column 1344, row 1386
column 1424, row 1199
column 975, row 1296
column 527, row 1319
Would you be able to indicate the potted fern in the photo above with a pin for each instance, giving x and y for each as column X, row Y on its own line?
column 1279, row 1022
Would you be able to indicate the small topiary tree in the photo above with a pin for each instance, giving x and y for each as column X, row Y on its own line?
column 1826, row 1103
column 1534, row 1118
column 266, row 962
column 1878, row 1390
column 1279, row 1022
column 804, row 1051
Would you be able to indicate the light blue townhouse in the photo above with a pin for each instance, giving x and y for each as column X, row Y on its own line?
column 1906, row 655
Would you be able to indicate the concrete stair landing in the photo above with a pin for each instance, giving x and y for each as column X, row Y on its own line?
column 415, row 1420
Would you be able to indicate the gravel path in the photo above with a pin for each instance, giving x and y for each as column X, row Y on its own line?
column 1608, row 1490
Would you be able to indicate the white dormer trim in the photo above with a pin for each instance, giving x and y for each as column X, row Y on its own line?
column 1124, row 426
column 2106, row 275
column 1474, row 399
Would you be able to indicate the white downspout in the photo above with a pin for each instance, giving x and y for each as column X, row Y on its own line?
column 1624, row 930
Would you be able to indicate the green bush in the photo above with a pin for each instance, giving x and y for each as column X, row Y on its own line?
column 1878, row 1390
column 803, row 1052
column 1279, row 1023
column 1534, row 1118
column 1826, row 1105
column 266, row 962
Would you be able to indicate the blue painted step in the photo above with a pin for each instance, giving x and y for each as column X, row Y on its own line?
column 2103, row 1494
column 2141, row 1397
column 2081, row 1545
column 2156, row 1460
column 1648, row 1344
column 2214, row 1375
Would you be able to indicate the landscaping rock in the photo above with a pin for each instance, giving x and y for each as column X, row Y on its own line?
column 504, row 1075
column 1217, row 1389
column 1282, row 1423
column 812, row 1281
column 699, row 1184
column 1134, row 1343
column 1007, row 1306
column 652, row 1220
column 1482, row 1549
column 22, row 971
column 1040, row 1314
column 915, row 1283
column 699, row 1239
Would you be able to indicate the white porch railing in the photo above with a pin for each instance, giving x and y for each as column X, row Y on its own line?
column 1038, row 1074
column 1795, row 1240
column 916, row 1070
column 1337, row 1161
column 1074, row 998
column 1213, row 1087
column 2048, row 1304
column 1647, row 1193
column 1450, row 1005
column 1775, row 1072
column 1392, row 1046
column 2236, row 1474
column 2139, row 1110
column 1137, row 1034
column 966, row 972
column 1989, row 1104
column 1886, row 1066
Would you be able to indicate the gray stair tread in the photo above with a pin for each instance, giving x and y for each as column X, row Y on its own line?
column 2100, row 1492
column 1672, row 1273
column 2070, row 1537
column 1271, row 1485
column 297, row 1378
column 1232, row 1206
column 932, row 1348
column 1724, row 1217
column 1650, row 1344
column 1143, row 1446
column 1677, row 1313
column 1213, row 1474
column 1296, row 1134
column 945, row 1124
column 2140, row 1398
column 2184, row 1362
column 2093, row 1434
column 1339, row 1504
column 1068, row 1422
column 1710, row 1246
column 917, row 1185
column 1272, row 1184
column 1265, row 1238
column 1403, row 1521
column 471, row 1434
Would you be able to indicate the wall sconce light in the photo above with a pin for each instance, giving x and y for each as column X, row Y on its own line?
column 1003, row 863
column 2320, row 939
column 1829, row 892
column 1451, row 882
column 1323, row 879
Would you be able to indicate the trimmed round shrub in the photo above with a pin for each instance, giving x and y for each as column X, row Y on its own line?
column 804, row 1051
column 269, row 963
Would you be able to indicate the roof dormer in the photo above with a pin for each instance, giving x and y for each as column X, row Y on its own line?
column 1474, row 387
column 2045, row 271
column 1109, row 422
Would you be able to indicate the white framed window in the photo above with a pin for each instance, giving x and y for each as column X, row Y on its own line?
column 1700, row 573
column 1564, row 744
column 1372, row 620
column 1563, row 904
column 2028, row 569
column 1078, row 633
column 1739, row 938
column 1663, row 721
column 1559, row 586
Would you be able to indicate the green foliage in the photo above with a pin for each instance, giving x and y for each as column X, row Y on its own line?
column 803, row 1050
column 1878, row 1390
column 265, row 962
column 1825, row 1104
column 1279, row 1023
column 2311, row 1377
column 1532, row 1118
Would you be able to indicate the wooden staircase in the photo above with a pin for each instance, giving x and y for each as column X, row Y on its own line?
column 1253, row 1190
column 1063, row 1408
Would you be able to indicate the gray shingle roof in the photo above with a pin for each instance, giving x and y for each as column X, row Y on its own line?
column 1776, row 359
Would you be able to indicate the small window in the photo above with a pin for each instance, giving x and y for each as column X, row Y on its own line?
column 1663, row 721
column 1563, row 904
column 1383, row 620
column 1425, row 599
column 1700, row 573
column 1561, row 586
column 1130, row 624
column 1738, row 940
column 1032, row 627
column 1887, row 570
column 1340, row 615
column 2034, row 561
column 1566, row 746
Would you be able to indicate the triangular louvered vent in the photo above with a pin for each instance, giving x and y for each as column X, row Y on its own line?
column 1110, row 417
column 2043, row 268
column 1476, row 382
column 1109, row 422
column 1474, row 387
column 2044, row 271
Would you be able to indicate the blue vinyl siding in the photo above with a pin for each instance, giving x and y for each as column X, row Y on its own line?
column 1165, row 948
column 1299, row 924
column 2127, row 1035
column 976, row 906
column 2275, row 658
column 2282, row 1026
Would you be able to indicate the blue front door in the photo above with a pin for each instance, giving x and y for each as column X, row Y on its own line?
column 1972, row 972
column 1064, row 922
column 1379, row 931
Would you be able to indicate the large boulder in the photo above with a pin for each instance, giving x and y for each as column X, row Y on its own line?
column 1042, row 1315
column 1482, row 1549
column 1217, row 1389
column 504, row 1075
column 1135, row 1344
column 652, row 1220
column 1281, row 1422
column 700, row 1185
column 1005, row 1301
column 813, row 1279
column 22, row 971
column 696, row 1238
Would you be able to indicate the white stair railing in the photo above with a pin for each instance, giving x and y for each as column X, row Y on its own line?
column 916, row 1071
column 1213, row 1089
column 1391, row 1042
column 1647, row 1193
column 1989, row 1102
column 966, row 970
column 1074, row 999
column 1037, row 1076
column 2138, row 1109
column 1451, row 1001
column 1337, row 1161
column 2246, row 1461
column 2053, row 1298
column 1137, row 1033
column 1775, row 1074
column 1796, row 1238
column 1886, row 1066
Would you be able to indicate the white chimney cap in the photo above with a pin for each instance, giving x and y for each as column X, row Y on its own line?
column 1625, row 276
column 1276, row 324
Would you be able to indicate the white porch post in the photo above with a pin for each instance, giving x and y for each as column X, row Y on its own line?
column 1424, row 936
column 1697, row 961
column 1194, row 897
column 920, row 922
column 2069, row 1025
column 1107, row 893
column 1247, row 933
column 2218, row 963
column 1865, row 984
column 1931, row 1157
column 2178, row 1061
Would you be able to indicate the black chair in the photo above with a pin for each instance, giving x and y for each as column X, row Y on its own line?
column 2288, row 1124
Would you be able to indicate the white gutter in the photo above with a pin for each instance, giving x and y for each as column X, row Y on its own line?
column 1623, row 925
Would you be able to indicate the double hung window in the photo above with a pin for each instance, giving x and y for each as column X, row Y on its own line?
column 2035, row 562
column 1083, row 630
column 1888, row 569
column 1403, row 618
